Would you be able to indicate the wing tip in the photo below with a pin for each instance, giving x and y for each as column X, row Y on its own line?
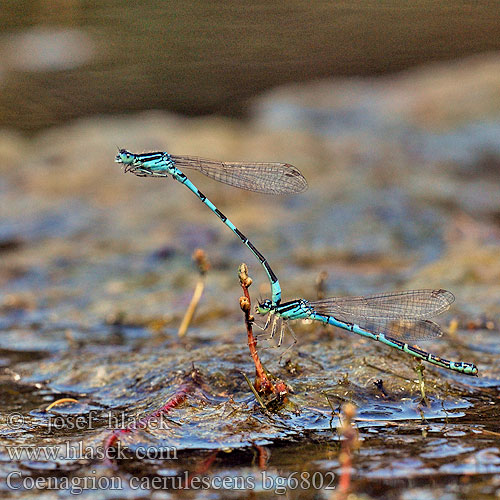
column 446, row 295
column 299, row 181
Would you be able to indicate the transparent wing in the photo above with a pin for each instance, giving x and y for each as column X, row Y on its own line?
column 403, row 330
column 409, row 305
column 270, row 178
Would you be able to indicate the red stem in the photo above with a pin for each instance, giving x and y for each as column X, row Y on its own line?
column 262, row 383
column 193, row 380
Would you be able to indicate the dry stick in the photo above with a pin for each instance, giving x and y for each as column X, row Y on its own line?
column 192, row 381
column 421, row 381
column 255, row 393
column 201, row 260
column 60, row 402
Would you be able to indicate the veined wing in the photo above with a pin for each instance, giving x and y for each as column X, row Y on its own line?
column 404, row 330
column 410, row 305
column 270, row 178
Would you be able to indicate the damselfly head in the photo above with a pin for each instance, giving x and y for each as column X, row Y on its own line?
column 263, row 307
column 125, row 157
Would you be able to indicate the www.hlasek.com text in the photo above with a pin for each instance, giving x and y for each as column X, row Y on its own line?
column 77, row 451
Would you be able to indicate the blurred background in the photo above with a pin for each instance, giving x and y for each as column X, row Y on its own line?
column 63, row 59
column 391, row 109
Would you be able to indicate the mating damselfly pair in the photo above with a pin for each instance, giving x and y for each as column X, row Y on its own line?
column 392, row 318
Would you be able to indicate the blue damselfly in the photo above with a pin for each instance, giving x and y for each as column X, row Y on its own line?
column 391, row 318
column 270, row 178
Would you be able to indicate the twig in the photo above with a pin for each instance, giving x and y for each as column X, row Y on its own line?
column 421, row 381
column 255, row 393
column 60, row 402
column 334, row 412
column 201, row 260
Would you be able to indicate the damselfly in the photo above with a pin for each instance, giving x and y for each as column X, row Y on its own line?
column 391, row 318
column 270, row 178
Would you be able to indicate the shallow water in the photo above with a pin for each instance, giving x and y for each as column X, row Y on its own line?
column 97, row 273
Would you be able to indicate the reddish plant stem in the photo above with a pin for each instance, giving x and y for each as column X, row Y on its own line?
column 345, row 476
column 262, row 382
column 349, row 445
column 202, row 468
column 262, row 455
column 189, row 386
